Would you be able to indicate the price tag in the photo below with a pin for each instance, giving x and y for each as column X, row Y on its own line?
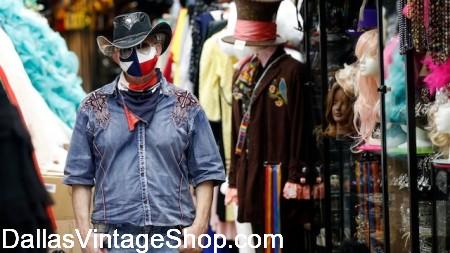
column 239, row 44
column 51, row 188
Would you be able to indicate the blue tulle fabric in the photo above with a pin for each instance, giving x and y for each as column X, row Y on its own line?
column 51, row 67
column 396, row 98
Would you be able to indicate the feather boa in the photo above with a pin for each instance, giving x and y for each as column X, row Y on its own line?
column 438, row 76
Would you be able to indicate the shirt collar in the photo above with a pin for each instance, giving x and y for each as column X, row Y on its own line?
column 110, row 89
column 122, row 83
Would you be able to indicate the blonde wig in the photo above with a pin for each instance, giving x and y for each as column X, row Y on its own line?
column 366, row 108
column 440, row 140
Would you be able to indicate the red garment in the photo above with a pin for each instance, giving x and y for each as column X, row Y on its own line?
column 132, row 119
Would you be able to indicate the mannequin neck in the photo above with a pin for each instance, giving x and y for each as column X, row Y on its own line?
column 342, row 130
column 265, row 53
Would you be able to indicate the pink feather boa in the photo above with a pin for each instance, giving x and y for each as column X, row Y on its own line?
column 438, row 76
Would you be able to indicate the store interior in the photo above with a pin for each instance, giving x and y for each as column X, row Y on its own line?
column 374, row 128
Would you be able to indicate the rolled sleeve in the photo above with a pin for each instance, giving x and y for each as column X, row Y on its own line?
column 79, row 169
column 204, row 161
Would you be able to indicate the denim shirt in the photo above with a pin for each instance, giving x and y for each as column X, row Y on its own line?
column 142, row 177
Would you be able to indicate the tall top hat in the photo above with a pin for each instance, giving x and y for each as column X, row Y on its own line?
column 130, row 30
column 256, row 23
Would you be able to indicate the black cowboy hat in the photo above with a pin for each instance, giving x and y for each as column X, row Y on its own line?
column 130, row 30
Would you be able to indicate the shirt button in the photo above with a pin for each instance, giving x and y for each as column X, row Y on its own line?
column 142, row 174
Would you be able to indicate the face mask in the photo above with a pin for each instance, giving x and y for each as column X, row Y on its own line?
column 140, row 62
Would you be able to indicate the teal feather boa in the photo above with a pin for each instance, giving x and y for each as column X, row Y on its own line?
column 51, row 67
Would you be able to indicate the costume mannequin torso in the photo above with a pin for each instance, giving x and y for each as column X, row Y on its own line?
column 280, row 91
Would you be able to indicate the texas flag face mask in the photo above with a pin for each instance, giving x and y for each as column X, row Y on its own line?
column 140, row 62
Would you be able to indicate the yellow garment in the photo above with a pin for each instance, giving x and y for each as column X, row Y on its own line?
column 177, row 41
column 215, row 87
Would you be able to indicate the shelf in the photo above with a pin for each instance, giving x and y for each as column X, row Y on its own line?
column 394, row 152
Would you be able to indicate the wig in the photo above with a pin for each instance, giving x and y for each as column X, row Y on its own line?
column 439, row 140
column 438, row 81
column 331, row 130
column 366, row 108
column 345, row 77
column 396, row 99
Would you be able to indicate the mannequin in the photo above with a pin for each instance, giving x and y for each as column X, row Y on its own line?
column 366, row 109
column 340, row 129
column 339, row 112
column 272, row 130
column 340, row 133
column 438, row 81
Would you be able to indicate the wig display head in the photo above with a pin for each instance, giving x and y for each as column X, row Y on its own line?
column 438, row 81
column 439, row 122
column 366, row 108
column 339, row 112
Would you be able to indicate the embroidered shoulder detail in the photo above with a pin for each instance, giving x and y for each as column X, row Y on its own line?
column 98, row 103
column 184, row 102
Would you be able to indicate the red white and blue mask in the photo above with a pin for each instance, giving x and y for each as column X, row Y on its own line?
column 139, row 61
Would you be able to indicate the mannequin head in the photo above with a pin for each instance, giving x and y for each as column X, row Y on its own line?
column 366, row 107
column 442, row 119
column 369, row 66
column 339, row 112
column 439, row 123
column 438, row 81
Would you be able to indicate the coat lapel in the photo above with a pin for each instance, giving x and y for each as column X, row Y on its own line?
column 269, row 73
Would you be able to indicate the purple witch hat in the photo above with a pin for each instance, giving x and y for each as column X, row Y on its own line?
column 368, row 22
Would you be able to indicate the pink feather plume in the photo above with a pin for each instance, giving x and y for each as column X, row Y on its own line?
column 438, row 76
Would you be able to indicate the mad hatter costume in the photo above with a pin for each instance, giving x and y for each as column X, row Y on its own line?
column 272, row 130
column 142, row 143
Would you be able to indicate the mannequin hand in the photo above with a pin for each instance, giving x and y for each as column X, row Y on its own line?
column 231, row 196
column 290, row 191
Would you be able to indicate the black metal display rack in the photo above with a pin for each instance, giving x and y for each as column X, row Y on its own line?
column 395, row 200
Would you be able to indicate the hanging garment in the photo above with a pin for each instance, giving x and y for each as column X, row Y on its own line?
column 183, row 69
column 200, row 19
column 279, row 130
column 49, row 134
column 177, row 43
column 51, row 67
column 215, row 88
column 24, row 199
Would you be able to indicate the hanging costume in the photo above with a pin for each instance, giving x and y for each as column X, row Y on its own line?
column 272, row 125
